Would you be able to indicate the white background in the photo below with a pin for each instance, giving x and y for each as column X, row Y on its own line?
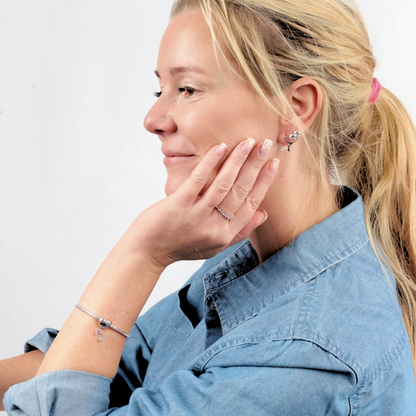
column 76, row 164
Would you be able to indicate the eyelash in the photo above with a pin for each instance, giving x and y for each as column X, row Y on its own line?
column 188, row 90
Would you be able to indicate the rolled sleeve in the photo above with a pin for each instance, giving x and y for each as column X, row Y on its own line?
column 59, row 393
column 41, row 341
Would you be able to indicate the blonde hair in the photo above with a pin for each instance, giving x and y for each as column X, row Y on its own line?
column 372, row 147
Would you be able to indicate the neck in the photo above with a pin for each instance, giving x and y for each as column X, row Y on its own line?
column 293, row 206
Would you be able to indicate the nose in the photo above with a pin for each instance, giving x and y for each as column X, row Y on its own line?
column 159, row 121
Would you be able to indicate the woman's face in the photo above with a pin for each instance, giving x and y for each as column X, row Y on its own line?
column 203, row 102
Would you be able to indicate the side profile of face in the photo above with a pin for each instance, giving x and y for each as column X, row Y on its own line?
column 203, row 101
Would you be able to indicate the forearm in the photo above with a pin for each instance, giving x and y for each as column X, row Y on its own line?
column 183, row 226
column 117, row 292
column 17, row 370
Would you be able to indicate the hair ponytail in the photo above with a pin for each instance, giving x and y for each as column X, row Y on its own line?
column 383, row 170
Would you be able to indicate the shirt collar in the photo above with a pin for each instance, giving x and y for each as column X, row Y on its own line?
column 241, row 287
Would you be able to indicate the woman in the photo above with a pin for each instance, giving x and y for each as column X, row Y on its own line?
column 304, row 318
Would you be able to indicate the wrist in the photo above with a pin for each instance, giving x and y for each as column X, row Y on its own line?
column 122, row 284
column 146, row 249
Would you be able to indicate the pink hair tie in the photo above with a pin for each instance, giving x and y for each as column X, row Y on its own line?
column 375, row 91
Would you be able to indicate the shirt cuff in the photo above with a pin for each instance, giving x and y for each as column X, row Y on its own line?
column 42, row 341
column 59, row 393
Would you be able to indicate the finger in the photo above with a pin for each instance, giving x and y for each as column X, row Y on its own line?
column 200, row 176
column 253, row 200
column 228, row 173
column 247, row 177
column 258, row 219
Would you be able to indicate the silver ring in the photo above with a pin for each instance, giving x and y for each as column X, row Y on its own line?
column 223, row 213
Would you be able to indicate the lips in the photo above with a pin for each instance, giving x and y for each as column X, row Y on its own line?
column 176, row 154
column 172, row 157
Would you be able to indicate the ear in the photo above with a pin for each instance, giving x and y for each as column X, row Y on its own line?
column 305, row 98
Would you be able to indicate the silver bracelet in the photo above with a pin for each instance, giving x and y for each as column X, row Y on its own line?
column 103, row 324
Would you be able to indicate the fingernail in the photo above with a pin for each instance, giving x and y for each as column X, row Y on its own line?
column 219, row 151
column 266, row 215
column 265, row 149
column 248, row 146
column 273, row 167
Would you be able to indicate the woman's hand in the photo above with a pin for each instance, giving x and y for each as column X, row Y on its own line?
column 186, row 225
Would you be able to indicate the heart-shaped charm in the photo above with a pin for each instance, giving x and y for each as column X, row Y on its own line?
column 104, row 323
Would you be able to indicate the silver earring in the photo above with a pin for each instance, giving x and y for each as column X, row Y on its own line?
column 292, row 138
column 162, row 120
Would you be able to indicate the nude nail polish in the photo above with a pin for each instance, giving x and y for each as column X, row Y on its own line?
column 248, row 146
column 219, row 151
column 273, row 167
column 265, row 149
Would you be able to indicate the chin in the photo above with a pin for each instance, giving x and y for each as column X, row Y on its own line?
column 171, row 186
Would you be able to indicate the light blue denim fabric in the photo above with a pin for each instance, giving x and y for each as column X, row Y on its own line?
column 314, row 330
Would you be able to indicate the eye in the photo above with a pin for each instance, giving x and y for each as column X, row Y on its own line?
column 157, row 94
column 189, row 91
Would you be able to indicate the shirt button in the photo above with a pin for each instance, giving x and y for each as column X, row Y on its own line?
column 211, row 306
column 219, row 276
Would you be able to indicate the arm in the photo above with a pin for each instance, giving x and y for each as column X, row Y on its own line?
column 288, row 377
column 17, row 370
column 235, row 381
column 244, row 391
column 184, row 225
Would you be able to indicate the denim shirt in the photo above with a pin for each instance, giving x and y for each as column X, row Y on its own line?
column 314, row 330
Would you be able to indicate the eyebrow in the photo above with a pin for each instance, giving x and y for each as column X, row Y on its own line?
column 182, row 69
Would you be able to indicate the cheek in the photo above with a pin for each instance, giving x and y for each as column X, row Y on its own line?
column 195, row 125
column 210, row 123
column 237, row 122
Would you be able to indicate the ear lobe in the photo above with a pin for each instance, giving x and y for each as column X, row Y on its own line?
column 305, row 97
